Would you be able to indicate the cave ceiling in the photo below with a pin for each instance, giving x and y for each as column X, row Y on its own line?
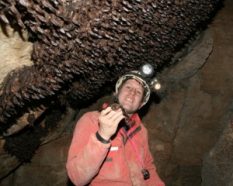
column 79, row 47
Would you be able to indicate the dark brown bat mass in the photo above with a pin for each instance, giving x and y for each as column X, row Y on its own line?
column 80, row 46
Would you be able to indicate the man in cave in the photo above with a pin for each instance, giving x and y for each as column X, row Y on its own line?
column 110, row 147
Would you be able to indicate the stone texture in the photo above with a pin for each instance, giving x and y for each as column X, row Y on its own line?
column 46, row 168
column 15, row 52
column 192, row 114
column 190, row 128
column 218, row 164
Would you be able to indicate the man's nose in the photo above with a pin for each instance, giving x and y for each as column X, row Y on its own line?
column 132, row 91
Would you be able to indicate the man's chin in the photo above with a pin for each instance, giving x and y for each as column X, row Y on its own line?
column 128, row 108
column 129, row 111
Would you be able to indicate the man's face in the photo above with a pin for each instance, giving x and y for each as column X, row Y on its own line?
column 130, row 96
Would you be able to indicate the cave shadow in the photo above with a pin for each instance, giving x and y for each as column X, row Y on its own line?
column 154, row 99
column 69, row 182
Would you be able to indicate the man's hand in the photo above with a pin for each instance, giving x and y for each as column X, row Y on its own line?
column 108, row 122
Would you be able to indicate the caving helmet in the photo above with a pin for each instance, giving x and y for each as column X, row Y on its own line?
column 145, row 75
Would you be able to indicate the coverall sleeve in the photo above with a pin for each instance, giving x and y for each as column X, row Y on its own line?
column 154, row 179
column 86, row 154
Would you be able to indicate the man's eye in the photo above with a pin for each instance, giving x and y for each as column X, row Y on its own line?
column 128, row 87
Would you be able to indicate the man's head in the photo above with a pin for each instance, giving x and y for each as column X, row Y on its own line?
column 130, row 95
column 135, row 87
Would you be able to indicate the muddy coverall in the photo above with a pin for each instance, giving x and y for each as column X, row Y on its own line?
column 119, row 163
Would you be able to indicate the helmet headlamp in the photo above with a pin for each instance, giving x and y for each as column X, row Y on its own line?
column 147, row 70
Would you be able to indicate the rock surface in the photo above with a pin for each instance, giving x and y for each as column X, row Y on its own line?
column 190, row 128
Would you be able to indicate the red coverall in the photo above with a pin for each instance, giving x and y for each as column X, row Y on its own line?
column 118, row 163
